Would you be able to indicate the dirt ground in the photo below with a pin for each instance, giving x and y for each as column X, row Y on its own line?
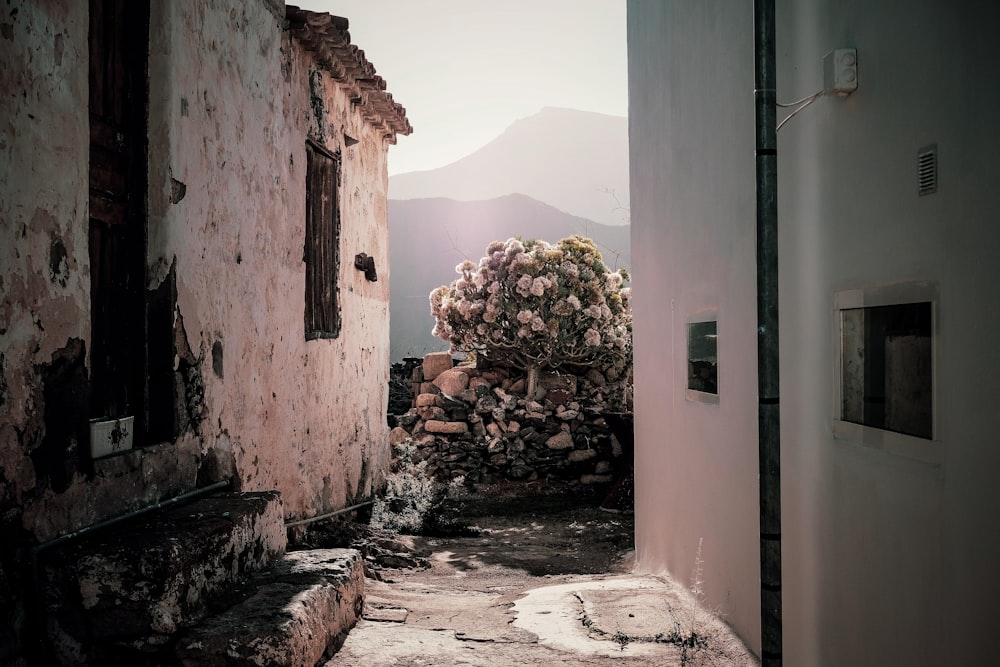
column 543, row 578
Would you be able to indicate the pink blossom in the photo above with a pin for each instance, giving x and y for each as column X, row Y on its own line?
column 592, row 338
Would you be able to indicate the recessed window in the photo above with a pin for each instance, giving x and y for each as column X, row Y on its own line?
column 886, row 367
column 322, row 248
column 703, row 356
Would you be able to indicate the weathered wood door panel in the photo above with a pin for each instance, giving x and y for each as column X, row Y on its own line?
column 118, row 42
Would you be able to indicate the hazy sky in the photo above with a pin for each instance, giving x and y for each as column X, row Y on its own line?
column 466, row 69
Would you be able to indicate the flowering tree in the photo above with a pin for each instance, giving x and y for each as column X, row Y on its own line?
column 533, row 305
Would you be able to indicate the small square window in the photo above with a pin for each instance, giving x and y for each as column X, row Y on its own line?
column 886, row 367
column 322, row 246
column 703, row 356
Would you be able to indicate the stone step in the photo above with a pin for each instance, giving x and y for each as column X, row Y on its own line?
column 297, row 615
column 149, row 577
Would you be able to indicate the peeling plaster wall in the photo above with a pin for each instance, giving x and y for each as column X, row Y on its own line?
column 44, row 282
column 230, row 109
column 889, row 553
column 230, row 114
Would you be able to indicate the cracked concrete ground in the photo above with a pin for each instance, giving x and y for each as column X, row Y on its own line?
column 545, row 582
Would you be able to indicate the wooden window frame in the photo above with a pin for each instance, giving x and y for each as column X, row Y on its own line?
column 322, row 242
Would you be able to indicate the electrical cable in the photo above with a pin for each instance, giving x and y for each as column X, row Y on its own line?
column 797, row 102
column 803, row 103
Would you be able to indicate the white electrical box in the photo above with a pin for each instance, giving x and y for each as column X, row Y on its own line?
column 840, row 72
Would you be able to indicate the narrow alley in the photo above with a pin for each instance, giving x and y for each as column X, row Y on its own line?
column 538, row 579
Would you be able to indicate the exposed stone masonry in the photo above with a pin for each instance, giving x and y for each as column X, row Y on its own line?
column 478, row 423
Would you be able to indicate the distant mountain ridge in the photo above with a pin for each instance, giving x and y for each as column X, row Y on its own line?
column 429, row 237
column 576, row 161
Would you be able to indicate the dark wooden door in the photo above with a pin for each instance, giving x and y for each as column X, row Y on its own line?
column 119, row 37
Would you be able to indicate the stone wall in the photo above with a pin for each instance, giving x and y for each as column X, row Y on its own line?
column 478, row 423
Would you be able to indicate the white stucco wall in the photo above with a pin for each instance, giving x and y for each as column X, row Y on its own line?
column 888, row 557
column 693, row 254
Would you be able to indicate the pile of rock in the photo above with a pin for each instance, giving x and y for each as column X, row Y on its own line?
column 480, row 424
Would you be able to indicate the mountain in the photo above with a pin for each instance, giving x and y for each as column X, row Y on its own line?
column 429, row 237
column 574, row 160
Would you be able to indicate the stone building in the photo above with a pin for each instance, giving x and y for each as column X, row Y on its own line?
column 887, row 259
column 194, row 273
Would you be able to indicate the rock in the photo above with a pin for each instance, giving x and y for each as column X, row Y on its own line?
column 595, row 479
column 436, row 363
column 432, row 412
column 596, row 378
column 398, row 436
column 517, row 386
column 561, row 440
column 616, row 447
column 560, row 382
column 452, row 382
column 494, row 429
column 495, row 445
column 499, row 414
column 437, row 426
column 558, row 396
column 478, row 382
column 469, row 395
column 426, row 440
column 513, row 427
column 534, row 406
column 408, row 420
column 521, row 471
column 507, row 400
column 429, row 388
column 425, row 400
column 478, row 429
column 578, row 455
column 498, row 459
column 568, row 415
column 492, row 377
column 486, row 404
column 602, row 468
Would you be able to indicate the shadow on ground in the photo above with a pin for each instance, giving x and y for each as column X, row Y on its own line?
column 537, row 528
column 540, row 531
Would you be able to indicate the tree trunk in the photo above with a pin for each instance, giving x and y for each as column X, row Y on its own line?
column 532, row 382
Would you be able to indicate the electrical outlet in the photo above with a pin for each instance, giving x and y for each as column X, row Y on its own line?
column 840, row 72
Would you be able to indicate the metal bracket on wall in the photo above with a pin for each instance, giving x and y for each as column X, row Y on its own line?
column 363, row 262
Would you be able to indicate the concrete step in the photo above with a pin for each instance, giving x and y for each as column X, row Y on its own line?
column 152, row 576
column 296, row 615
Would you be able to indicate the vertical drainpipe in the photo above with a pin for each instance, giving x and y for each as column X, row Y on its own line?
column 768, row 412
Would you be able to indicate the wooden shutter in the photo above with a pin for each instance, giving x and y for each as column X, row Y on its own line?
column 322, row 313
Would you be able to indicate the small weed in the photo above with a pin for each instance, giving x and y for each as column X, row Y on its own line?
column 415, row 504
column 621, row 639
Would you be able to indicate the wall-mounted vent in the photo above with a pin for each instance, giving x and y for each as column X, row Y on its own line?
column 927, row 177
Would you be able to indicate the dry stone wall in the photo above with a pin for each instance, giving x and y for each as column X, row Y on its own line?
column 478, row 423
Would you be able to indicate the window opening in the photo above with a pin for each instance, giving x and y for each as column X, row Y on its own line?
column 703, row 357
column 886, row 367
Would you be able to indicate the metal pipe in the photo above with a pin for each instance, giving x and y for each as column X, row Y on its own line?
column 129, row 515
column 768, row 411
column 320, row 517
